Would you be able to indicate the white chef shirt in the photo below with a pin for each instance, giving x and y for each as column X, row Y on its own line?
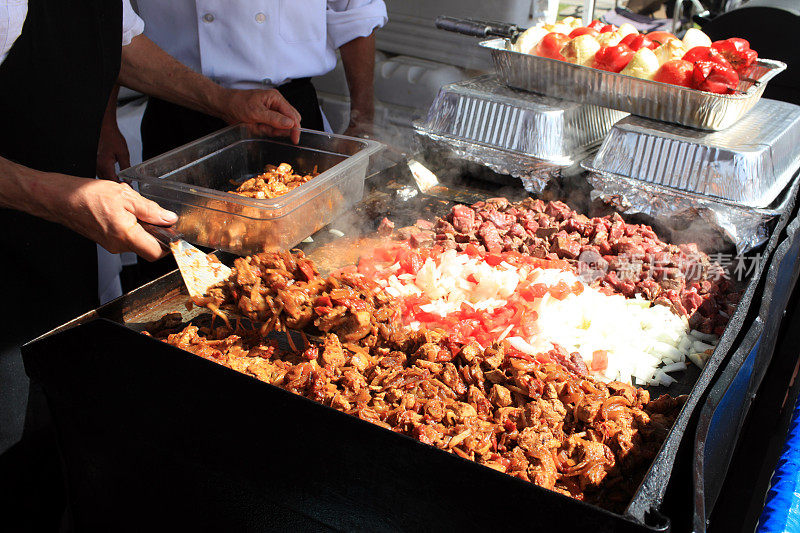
column 13, row 13
column 247, row 44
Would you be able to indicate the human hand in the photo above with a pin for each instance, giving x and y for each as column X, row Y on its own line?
column 360, row 124
column 111, row 149
column 109, row 213
column 267, row 109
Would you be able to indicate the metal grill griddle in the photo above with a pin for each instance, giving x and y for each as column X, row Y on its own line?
column 100, row 376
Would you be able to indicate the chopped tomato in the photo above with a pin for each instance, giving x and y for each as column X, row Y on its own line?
column 493, row 259
column 411, row 262
column 577, row 288
column 471, row 278
column 599, row 360
column 560, row 291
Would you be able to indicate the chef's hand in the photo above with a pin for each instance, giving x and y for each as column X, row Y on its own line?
column 111, row 150
column 267, row 109
column 109, row 213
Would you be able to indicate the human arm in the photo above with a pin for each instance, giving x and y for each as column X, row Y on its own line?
column 351, row 25
column 148, row 69
column 103, row 211
column 112, row 147
column 358, row 58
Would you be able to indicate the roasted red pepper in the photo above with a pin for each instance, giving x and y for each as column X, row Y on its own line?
column 551, row 44
column 577, row 32
column 737, row 52
column 612, row 58
column 714, row 78
column 596, row 25
column 660, row 37
column 705, row 53
column 635, row 42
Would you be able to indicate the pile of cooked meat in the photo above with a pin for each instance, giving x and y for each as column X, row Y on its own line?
column 630, row 259
column 500, row 408
column 538, row 418
column 274, row 182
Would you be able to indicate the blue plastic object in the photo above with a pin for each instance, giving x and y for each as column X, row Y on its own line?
column 782, row 509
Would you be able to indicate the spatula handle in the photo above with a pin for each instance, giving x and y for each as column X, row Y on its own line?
column 163, row 234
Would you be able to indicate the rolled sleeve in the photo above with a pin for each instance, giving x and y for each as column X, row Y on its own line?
column 351, row 19
column 132, row 25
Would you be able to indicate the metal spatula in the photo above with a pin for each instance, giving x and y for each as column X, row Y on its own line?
column 198, row 269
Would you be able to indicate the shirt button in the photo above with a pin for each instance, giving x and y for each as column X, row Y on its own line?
column 208, row 17
column 260, row 18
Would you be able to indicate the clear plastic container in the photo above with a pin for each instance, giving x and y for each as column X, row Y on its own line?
column 194, row 181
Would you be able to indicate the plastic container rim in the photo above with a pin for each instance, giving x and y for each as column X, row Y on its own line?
column 300, row 194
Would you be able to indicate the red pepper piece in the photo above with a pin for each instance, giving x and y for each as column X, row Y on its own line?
column 737, row 52
column 612, row 58
column 635, row 42
column 551, row 44
column 607, row 28
column 714, row 78
column 705, row 53
column 596, row 25
column 660, row 37
column 577, row 32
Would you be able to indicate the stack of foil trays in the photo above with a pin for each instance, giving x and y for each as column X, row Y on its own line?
column 520, row 134
column 737, row 176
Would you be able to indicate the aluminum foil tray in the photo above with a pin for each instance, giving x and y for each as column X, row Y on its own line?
column 646, row 98
column 748, row 164
column 483, row 112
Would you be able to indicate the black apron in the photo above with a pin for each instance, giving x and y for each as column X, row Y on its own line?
column 166, row 126
column 54, row 86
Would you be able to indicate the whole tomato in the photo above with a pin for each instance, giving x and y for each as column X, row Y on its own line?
column 551, row 44
column 676, row 72
column 634, row 42
column 612, row 58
